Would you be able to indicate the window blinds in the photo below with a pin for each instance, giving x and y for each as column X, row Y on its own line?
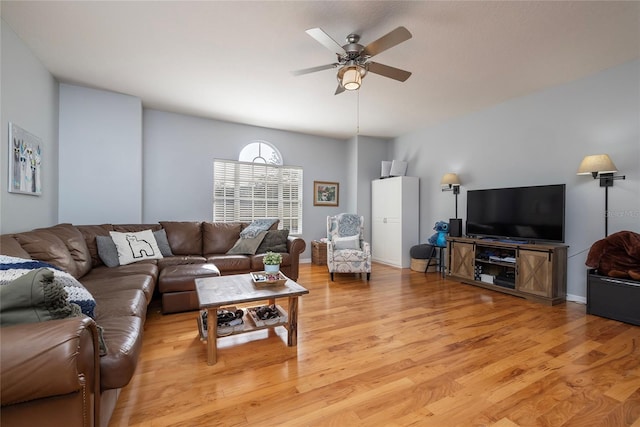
column 244, row 191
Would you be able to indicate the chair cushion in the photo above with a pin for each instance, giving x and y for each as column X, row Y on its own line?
column 348, row 255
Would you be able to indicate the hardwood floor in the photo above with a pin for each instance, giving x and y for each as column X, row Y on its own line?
column 404, row 349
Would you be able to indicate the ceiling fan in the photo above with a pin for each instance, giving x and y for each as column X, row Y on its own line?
column 354, row 59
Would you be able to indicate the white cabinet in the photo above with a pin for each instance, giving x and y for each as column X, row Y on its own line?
column 395, row 224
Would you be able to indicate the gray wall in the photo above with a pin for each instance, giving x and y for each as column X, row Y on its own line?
column 29, row 100
column 540, row 139
column 370, row 153
column 100, row 156
column 178, row 166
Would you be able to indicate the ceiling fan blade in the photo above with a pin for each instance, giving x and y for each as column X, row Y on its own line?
column 313, row 69
column 325, row 40
column 339, row 89
column 387, row 71
column 387, row 41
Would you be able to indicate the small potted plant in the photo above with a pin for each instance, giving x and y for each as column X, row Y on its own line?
column 272, row 262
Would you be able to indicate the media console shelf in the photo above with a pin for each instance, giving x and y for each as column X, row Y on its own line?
column 535, row 271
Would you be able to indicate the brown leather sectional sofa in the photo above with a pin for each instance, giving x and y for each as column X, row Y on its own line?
column 52, row 373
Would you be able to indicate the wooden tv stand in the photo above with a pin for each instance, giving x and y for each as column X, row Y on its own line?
column 535, row 271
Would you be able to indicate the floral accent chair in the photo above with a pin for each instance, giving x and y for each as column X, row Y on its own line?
column 347, row 252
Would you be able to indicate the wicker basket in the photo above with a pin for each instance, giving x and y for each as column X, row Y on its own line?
column 421, row 264
column 318, row 252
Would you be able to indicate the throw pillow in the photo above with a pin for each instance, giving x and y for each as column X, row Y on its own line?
column 274, row 241
column 133, row 247
column 107, row 251
column 348, row 224
column 163, row 242
column 248, row 245
column 256, row 226
column 350, row 242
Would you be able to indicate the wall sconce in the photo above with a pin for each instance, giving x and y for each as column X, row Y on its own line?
column 451, row 182
column 601, row 166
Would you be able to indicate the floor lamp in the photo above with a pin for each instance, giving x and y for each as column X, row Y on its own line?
column 451, row 182
column 601, row 166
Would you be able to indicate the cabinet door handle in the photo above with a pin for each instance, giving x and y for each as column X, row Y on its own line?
column 384, row 220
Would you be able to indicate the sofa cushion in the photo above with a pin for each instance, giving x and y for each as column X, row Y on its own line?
column 185, row 238
column 89, row 232
column 179, row 278
column 10, row 246
column 47, row 247
column 274, row 241
column 180, row 260
column 219, row 237
column 110, row 285
column 134, row 228
column 230, row 263
column 123, row 337
column 126, row 302
column 76, row 245
column 134, row 247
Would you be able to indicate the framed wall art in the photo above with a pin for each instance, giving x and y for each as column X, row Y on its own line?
column 25, row 158
column 326, row 193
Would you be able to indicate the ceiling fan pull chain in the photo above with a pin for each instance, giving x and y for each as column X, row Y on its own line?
column 358, row 113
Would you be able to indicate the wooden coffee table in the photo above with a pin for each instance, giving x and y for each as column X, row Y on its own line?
column 216, row 292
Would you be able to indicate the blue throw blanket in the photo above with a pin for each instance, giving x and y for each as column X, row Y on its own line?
column 11, row 268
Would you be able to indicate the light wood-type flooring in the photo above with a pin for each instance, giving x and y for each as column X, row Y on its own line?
column 405, row 349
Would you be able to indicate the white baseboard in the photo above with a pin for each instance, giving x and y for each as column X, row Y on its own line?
column 576, row 298
column 304, row 260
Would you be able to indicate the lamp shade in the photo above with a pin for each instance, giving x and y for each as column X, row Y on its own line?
column 450, row 179
column 351, row 79
column 596, row 164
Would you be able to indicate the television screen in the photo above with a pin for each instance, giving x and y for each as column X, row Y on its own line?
column 523, row 213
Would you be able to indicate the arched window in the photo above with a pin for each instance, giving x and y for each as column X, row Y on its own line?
column 258, row 186
column 260, row 152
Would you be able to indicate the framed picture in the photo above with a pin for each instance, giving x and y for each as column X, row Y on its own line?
column 25, row 156
column 326, row 193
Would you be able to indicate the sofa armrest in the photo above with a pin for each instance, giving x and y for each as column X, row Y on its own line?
column 49, row 359
column 295, row 246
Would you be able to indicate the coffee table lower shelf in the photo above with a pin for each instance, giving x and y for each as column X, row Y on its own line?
column 248, row 325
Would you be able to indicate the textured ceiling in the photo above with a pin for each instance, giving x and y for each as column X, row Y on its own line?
column 233, row 60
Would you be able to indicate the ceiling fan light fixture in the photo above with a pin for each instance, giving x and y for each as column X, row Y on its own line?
column 351, row 78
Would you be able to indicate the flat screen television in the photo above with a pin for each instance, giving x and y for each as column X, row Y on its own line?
column 520, row 213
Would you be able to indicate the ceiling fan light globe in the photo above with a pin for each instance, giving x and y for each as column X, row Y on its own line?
column 351, row 78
